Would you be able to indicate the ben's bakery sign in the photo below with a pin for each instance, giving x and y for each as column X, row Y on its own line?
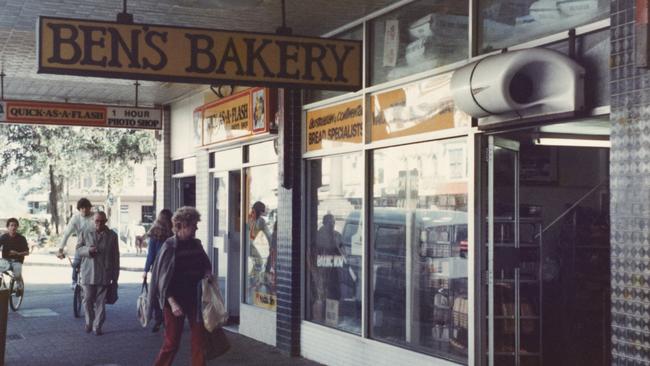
column 334, row 126
column 64, row 114
column 193, row 55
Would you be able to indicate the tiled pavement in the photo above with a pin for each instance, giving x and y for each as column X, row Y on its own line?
column 59, row 339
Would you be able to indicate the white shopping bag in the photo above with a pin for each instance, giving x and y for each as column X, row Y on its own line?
column 213, row 307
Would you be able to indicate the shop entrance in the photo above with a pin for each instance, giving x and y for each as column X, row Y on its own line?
column 226, row 252
column 547, row 249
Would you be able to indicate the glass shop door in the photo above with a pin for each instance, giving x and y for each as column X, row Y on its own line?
column 513, row 271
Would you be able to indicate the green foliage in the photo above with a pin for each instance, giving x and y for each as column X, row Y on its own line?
column 58, row 154
column 32, row 228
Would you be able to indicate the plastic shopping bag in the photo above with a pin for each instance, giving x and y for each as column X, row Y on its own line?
column 143, row 305
column 213, row 308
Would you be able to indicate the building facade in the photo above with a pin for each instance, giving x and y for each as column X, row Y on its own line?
column 416, row 221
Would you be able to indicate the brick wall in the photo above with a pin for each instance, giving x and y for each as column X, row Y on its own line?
column 630, row 193
column 289, row 256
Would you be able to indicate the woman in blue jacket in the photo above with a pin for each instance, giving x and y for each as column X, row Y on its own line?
column 159, row 232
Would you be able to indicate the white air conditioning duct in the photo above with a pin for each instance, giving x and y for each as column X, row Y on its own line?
column 519, row 84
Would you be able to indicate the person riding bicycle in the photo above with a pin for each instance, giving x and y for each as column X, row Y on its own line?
column 14, row 249
column 81, row 224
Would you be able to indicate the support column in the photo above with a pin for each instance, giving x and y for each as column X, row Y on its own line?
column 630, row 193
column 289, row 220
column 164, row 164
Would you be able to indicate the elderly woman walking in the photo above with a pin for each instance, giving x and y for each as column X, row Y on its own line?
column 180, row 265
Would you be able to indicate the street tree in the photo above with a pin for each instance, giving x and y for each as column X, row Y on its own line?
column 64, row 153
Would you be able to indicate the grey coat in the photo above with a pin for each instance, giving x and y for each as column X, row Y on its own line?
column 162, row 272
column 104, row 266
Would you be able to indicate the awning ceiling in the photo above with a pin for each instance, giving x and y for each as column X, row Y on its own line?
column 18, row 20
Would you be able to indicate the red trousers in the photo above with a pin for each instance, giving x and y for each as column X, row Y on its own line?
column 173, row 332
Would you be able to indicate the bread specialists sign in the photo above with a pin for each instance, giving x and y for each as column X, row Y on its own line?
column 67, row 114
column 193, row 55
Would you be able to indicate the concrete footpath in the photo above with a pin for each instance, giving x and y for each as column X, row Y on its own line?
column 128, row 261
column 45, row 332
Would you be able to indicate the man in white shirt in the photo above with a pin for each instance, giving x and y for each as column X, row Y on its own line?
column 82, row 225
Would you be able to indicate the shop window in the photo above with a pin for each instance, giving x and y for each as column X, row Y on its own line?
column 148, row 215
column 263, row 152
column 335, row 244
column 417, row 37
column 504, row 23
column 314, row 95
column 261, row 235
column 418, row 248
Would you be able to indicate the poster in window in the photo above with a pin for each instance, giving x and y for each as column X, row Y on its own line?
column 259, row 109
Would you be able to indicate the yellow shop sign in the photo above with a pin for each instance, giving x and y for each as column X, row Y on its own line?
column 195, row 55
column 334, row 126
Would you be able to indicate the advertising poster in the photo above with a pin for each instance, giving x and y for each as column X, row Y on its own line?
column 425, row 106
column 335, row 126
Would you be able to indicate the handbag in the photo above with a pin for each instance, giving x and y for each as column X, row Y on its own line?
column 111, row 293
column 215, row 343
column 143, row 305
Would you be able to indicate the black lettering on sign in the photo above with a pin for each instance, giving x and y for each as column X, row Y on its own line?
column 90, row 42
column 255, row 54
column 201, row 48
column 230, row 55
column 64, row 36
column 132, row 52
column 287, row 55
column 311, row 58
column 123, row 122
column 340, row 60
column 149, row 41
column 147, row 123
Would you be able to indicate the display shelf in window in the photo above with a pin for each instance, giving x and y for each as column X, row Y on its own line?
column 517, row 278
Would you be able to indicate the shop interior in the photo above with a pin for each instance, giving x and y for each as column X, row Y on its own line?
column 555, row 267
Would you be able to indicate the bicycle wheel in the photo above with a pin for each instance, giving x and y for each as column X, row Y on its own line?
column 17, row 293
column 78, row 299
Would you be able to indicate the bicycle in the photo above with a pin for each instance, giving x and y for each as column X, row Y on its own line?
column 78, row 296
column 16, row 286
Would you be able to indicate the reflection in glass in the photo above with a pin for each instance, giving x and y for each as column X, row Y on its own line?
column 220, row 228
column 423, row 106
column 417, row 37
column 508, row 22
column 419, row 247
column 335, row 242
column 261, row 237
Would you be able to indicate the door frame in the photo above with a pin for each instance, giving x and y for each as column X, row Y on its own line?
column 485, row 249
column 232, row 203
